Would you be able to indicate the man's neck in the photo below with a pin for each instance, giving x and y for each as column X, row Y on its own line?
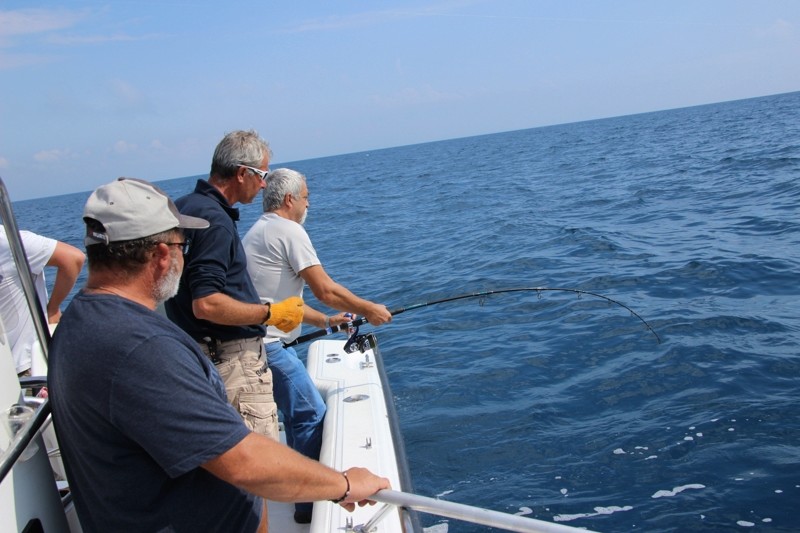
column 227, row 188
column 283, row 212
column 136, row 289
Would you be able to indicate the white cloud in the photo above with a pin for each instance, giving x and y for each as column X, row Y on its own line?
column 98, row 39
column 127, row 99
column 46, row 25
column 337, row 22
column 126, row 93
column 3, row 162
column 124, row 147
column 30, row 21
column 53, row 155
column 372, row 18
column 9, row 61
column 780, row 29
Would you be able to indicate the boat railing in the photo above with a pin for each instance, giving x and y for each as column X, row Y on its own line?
column 29, row 431
column 27, row 470
column 23, row 438
column 25, row 276
column 468, row 513
column 409, row 516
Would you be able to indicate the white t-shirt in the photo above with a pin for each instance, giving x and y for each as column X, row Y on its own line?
column 16, row 317
column 277, row 250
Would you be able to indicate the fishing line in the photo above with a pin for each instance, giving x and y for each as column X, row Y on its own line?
column 482, row 295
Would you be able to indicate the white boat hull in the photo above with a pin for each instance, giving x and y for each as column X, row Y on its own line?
column 357, row 432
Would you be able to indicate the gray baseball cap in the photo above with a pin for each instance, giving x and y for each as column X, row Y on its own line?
column 130, row 208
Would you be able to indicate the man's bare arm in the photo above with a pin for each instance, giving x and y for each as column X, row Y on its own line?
column 271, row 470
column 68, row 261
column 339, row 297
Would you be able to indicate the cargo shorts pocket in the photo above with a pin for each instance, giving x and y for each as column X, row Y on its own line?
column 260, row 413
column 257, row 372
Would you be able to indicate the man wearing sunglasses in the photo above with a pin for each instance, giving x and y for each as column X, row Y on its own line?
column 217, row 304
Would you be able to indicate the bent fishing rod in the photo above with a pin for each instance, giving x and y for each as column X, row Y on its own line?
column 359, row 321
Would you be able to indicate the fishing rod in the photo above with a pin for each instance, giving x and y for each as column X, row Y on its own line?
column 359, row 321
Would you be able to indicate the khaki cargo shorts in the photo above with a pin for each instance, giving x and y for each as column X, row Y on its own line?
column 242, row 364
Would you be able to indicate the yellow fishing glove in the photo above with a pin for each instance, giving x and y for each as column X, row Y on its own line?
column 286, row 315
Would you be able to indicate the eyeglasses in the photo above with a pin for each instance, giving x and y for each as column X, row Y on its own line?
column 184, row 245
column 261, row 173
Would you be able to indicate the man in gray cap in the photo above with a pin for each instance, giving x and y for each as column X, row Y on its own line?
column 149, row 440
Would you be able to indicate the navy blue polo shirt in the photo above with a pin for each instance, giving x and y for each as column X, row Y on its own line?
column 216, row 263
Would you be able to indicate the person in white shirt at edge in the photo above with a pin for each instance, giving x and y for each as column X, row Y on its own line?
column 280, row 261
column 41, row 252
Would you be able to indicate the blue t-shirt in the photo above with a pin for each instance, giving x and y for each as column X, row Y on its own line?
column 216, row 263
column 138, row 408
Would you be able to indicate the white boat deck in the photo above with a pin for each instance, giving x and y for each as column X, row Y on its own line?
column 356, row 433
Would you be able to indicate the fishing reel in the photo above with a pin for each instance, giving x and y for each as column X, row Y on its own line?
column 362, row 343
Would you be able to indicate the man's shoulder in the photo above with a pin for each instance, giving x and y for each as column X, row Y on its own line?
column 33, row 240
column 255, row 230
column 204, row 206
column 276, row 230
column 283, row 225
column 195, row 199
column 125, row 323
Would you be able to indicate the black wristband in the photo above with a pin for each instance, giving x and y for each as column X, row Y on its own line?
column 346, row 492
column 269, row 312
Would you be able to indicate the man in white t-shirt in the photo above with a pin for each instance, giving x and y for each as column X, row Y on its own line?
column 17, row 321
column 280, row 261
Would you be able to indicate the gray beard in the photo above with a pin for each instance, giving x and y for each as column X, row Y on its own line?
column 167, row 287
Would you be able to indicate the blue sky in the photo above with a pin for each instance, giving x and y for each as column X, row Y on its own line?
column 92, row 90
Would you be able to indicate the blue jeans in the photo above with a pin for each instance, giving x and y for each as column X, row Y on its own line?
column 298, row 400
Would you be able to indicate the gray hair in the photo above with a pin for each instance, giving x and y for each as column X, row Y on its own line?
column 130, row 256
column 238, row 148
column 280, row 182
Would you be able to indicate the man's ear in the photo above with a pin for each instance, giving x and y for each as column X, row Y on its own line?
column 162, row 256
column 240, row 174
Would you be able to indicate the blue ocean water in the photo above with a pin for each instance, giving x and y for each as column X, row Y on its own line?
column 563, row 408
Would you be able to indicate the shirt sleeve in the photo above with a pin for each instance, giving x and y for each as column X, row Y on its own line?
column 38, row 250
column 211, row 256
column 300, row 253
